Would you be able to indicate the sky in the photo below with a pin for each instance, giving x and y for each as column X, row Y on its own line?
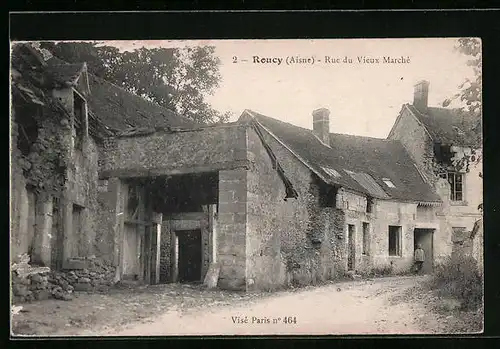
column 363, row 98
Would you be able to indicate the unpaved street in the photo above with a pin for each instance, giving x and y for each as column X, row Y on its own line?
column 356, row 307
column 392, row 305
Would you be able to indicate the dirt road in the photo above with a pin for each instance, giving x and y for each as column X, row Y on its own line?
column 392, row 305
column 357, row 307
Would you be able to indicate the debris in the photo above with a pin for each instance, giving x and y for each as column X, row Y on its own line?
column 16, row 309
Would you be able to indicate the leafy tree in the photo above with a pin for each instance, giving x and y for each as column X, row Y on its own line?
column 175, row 78
column 471, row 89
column 470, row 97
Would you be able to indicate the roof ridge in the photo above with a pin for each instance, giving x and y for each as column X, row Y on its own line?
column 311, row 131
column 121, row 88
column 364, row 137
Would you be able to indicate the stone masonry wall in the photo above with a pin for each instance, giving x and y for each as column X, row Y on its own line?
column 165, row 253
column 416, row 141
column 296, row 221
column 231, row 234
column 396, row 214
column 170, row 153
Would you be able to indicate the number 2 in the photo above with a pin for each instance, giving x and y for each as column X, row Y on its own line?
column 235, row 59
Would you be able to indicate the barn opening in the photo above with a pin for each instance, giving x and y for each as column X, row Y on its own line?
column 188, row 204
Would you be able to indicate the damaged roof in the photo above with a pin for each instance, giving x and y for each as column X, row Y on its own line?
column 450, row 126
column 365, row 164
column 123, row 110
column 65, row 74
column 31, row 81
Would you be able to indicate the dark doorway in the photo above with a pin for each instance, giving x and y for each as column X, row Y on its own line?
column 189, row 255
column 425, row 237
column 351, row 247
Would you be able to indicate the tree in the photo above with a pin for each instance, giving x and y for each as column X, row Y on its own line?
column 175, row 78
column 470, row 92
column 470, row 97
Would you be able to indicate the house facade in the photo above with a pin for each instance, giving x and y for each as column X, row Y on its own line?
column 447, row 148
column 53, row 160
column 60, row 117
column 267, row 204
column 254, row 204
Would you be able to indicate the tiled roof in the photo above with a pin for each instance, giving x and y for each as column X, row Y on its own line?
column 121, row 110
column 450, row 126
column 370, row 160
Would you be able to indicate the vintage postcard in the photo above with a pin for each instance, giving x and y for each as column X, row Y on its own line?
column 246, row 187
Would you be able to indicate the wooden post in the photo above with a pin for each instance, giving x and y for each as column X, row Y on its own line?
column 155, row 247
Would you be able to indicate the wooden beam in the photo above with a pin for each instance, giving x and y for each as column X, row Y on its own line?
column 122, row 172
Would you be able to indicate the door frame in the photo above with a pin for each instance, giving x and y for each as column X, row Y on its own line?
column 351, row 247
column 420, row 231
column 176, row 253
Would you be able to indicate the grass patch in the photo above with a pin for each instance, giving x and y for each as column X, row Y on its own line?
column 459, row 277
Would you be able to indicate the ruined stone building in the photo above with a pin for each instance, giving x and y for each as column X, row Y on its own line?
column 60, row 116
column 254, row 204
column 446, row 146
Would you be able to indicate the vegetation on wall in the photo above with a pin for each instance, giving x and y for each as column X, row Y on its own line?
column 44, row 164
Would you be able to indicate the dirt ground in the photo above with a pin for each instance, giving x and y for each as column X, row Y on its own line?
column 393, row 305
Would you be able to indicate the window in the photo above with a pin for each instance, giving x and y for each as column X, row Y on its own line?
column 328, row 196
column 388, row 182
column 394, row 240
column 77, row 220
column 456, row 186
column 79, row 123
column 369, row 205
column 366, row 237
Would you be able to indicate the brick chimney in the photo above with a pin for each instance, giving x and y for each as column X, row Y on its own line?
column 321, row 124
column 421, row 95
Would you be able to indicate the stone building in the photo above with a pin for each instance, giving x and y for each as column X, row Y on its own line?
column 60, row 117
column 253, row 204
column 269, row 204
column 446, row 146
column 54, row 143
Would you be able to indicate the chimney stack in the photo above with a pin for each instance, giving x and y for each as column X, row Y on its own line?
column 421, row 95
column 321, row 124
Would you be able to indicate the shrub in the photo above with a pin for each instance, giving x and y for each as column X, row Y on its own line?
column 459, row 277
column 382, row 270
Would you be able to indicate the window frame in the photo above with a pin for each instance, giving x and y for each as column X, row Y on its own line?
column 399, row 241
column 388, row 182
column 453, row 185
column 366, row 238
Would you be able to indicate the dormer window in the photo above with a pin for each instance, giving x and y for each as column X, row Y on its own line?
column 388, row 182
column 80, row 120
column 331, row 172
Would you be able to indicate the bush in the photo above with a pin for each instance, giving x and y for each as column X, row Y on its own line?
column 459, row 277
column 381, row 270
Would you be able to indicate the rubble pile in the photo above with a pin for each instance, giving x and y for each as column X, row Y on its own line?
column 31, row 283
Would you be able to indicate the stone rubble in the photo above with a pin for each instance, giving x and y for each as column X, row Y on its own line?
column 31, row 283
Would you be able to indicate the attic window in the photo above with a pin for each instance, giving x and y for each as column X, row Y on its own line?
column 79, row 124
column 388, row 182
column 331, row 172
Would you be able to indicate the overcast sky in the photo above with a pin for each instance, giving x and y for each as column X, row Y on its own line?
column 364, row 99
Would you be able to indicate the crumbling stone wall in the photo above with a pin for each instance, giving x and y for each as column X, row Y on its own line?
column 32, row 283
column 294, row 223
column 59, row 177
